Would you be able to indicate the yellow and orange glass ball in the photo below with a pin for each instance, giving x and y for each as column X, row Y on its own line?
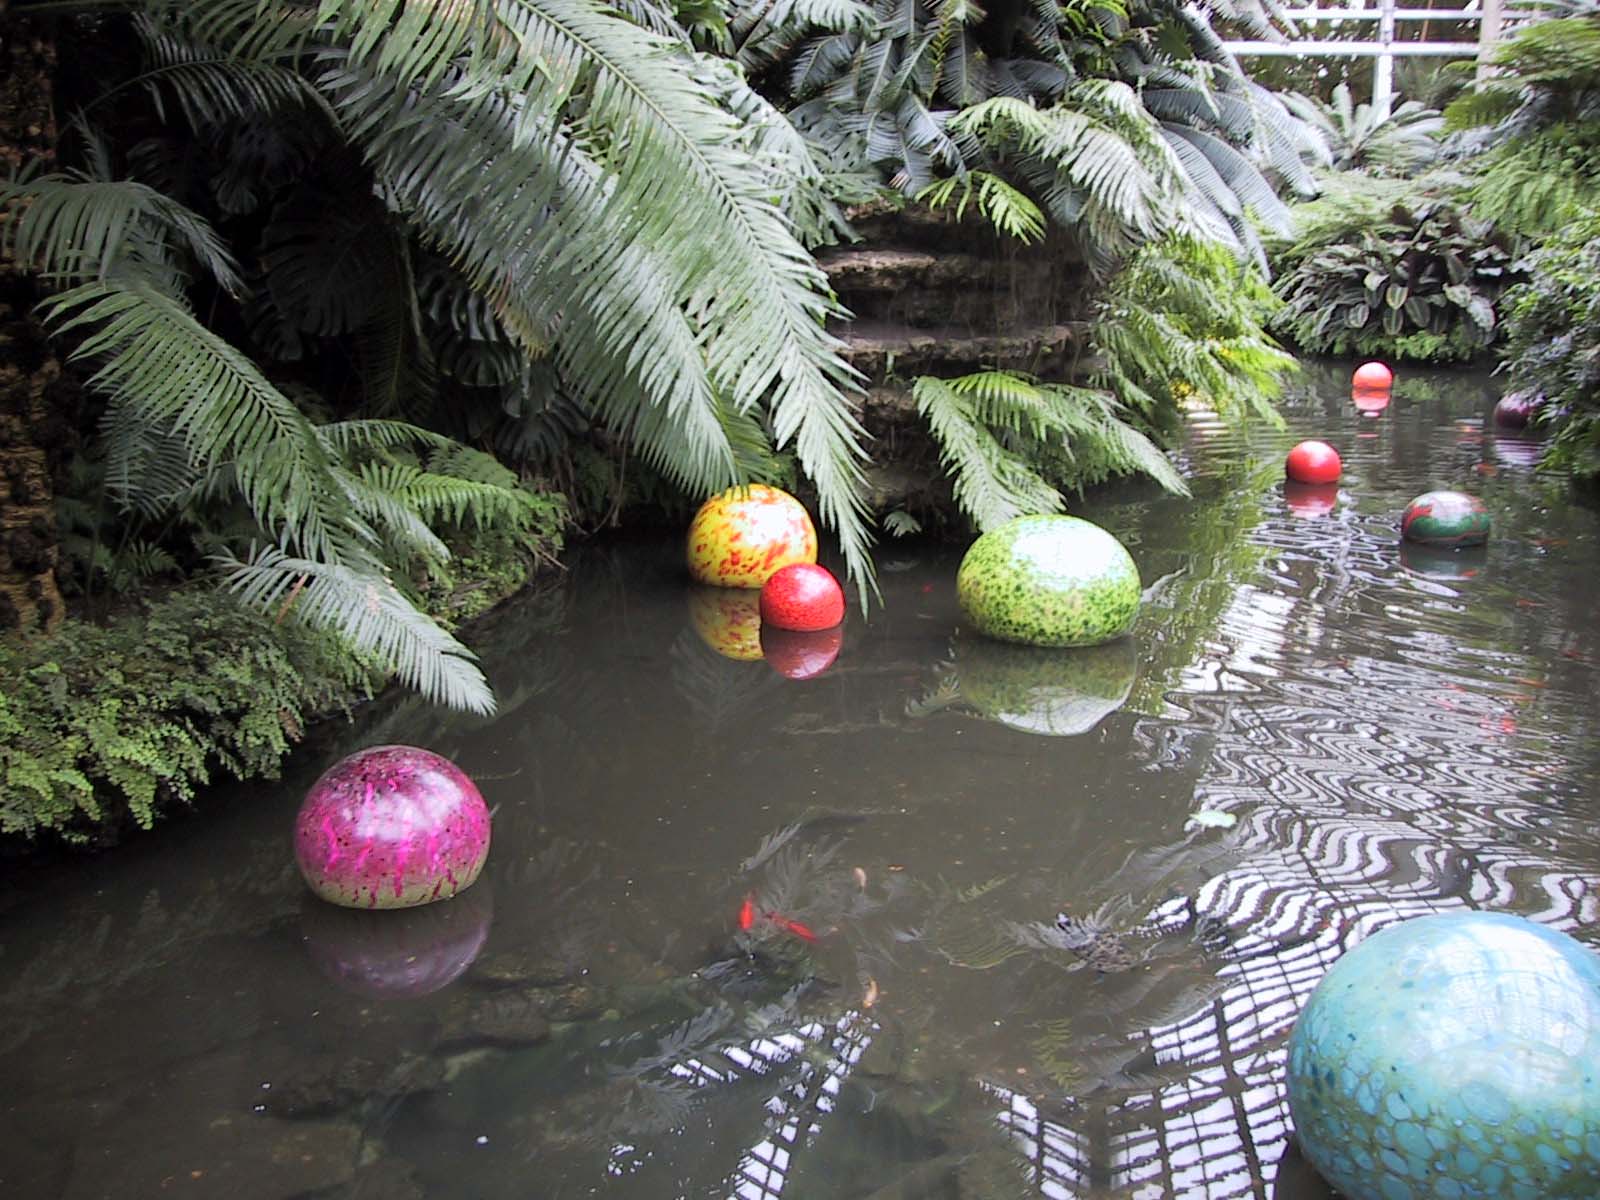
column 738, row 539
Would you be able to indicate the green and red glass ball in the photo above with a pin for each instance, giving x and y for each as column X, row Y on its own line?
column 739, row 538
column 802, row 597
column 1445, row 518
column 391, row 827
column 1313, row 462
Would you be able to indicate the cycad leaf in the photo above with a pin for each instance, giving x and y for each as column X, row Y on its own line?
column 370, row 612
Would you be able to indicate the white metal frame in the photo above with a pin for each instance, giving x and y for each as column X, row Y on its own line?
column 1384, row 48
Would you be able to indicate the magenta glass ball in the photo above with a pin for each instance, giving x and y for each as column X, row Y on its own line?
column 391, row 827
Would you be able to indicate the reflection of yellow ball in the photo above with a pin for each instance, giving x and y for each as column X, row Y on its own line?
column 738, row 539
column 727, row 620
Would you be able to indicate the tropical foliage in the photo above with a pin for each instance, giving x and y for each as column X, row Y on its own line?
column 1122, row 121
column 1362, row 136
column 1394, row 270
column 105, row 725
column 1536, row 120
column 1553, row 342
column 1009, row 442
column 536, row 211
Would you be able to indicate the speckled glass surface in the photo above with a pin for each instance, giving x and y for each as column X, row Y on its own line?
column 1049, row 581
column 1453, row 1056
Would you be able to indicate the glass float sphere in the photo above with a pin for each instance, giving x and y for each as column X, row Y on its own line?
column 1370, row 376
column 391, row 827
column 739, row 538
column 1453, row 1057
column 1049, row 581
column 804, row 597
column 1445, row 519
column 1313, row 462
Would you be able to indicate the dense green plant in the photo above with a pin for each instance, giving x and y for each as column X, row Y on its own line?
column 534, row 210
column 1536, row 122
column 101, row 725
column 1391, row 269
column 1553, row 342
column 1182, row 323
column 1360, row 136
column 1120, row 120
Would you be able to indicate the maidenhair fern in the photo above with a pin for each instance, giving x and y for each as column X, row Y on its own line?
column 1009, row 441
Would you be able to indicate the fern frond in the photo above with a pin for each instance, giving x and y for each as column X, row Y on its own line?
column 991, row 484
column 74, row 228
column 368, row 611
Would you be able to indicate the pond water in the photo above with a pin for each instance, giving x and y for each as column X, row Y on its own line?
column 1313, row 732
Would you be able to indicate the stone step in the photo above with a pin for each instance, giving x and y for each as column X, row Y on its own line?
column 883, row 350
column 889, row 269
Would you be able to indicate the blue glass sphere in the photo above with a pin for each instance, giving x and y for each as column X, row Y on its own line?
column 1453, row 1056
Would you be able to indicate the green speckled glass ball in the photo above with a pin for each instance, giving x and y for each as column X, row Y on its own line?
column 1453, row 1057
column 1445, row 519
column 1049, row 581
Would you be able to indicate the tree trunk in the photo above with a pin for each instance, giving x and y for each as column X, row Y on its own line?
column 32, row 429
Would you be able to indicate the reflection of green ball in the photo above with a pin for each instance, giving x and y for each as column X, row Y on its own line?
column 1051, row 690
column 1453, row 1056
column 1049, row 581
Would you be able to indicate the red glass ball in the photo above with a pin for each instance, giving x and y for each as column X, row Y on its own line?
column 1372, row 375
column 803, row 597
column 1313, row 462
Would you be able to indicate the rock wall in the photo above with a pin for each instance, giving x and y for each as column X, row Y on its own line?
column 931, row 295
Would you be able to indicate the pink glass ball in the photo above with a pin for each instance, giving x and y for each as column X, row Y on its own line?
column 391, row 827
column 1372, row 375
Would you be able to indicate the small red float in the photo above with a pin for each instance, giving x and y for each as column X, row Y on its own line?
column 1313, row 462
column 803, row 597
column 1372, row 375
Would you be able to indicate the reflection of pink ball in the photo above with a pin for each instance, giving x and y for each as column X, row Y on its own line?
column 391, row 827
column 1372, row 375
column 1313, row 462
column 802, row 597
column 1370, row 402
column 800, row 655
column 1310, row 499
column 409, row 953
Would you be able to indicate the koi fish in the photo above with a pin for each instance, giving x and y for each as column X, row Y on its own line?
column 747, row 918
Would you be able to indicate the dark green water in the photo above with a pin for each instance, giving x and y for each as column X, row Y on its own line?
column 1312, row 734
